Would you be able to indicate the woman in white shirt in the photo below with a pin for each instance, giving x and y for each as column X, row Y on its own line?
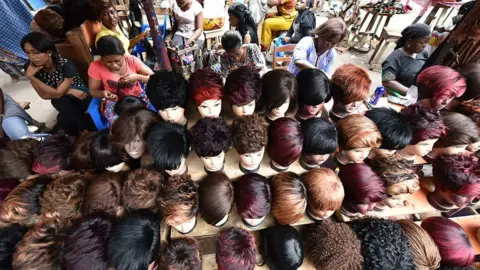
column 188, row 26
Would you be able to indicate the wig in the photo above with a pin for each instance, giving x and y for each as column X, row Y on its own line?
column 182, row 254
column 452, row 241
column 9, row 238
column 319, row 137
column 333, row 245
column 282, row 248
column 216, row 197
column 357, row 131
column 86, row 245
column 471, row 108
column 210, row 137
column 333, row 29
column 103, row 194
column 179, row 199
column 384, row 244
column 278, row 87
column 249, row 134
column 134, row 241
column 289, row 198
column 51, row 20
column 313, row 87
column 205, row 84
column 324, row 191
column 101, row 151
column 394, row 127
column 285, row 141
column 459, row 174
column 243, row 86
column 168, row 144
column 81, row 159
column 361, row 184
column 127, row 103
column 235, row 250
column 16, row 158
column 6, row 186
column 252, row 196
column 471, row 73
column 427, row 123
column 461, row 130
column 53, row 154
column 424, row 250
column 393, row 170
column 167, row 89
column 440, row 83
column 350, row 84
column 142, row 190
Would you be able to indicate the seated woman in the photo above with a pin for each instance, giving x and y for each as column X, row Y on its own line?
column 116, row 75
column 240, row 18
column 188, row 26
column 57, row 79
column 402, row 65
column 277, row 22
column 303, row 24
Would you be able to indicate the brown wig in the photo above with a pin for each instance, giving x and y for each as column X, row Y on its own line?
column 142, row 190
column 51, row 21
column 350, row 84
column 182, row 254
column 471, row 109
column 289, row 198
column 324, row 191
column 461, row 130
column 249, row 134
column 16, row 158
column 243, row 85
column 216, row 197
column 103, row 194
column 81, row 152
column 357, row 131
column 331, row 30
column 278, row 86
column 393, row 170
column 179, row 198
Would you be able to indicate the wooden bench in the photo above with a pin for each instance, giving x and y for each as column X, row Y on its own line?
column 279, row 62
column 388, row 36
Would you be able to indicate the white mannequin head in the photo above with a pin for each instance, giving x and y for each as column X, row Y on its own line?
column 210, row 108
column 251, row 161
column 174, row 115
column 116, row 168
column 421, row 149
column 180, row 170
column 254, row 222
column 247, row 109
column 214, row 164
column 276, row 113
column 222, row 221
column 187, row 226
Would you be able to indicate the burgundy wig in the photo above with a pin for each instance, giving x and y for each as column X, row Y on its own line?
column 285, row 141
column 427, row 123
column 459, row 174
column 253, row 196
column 440, row 83
column 243, row 86
column 452, row 241
column 205, row 84
column 7, row 185
column 53, row 154
column 361, row 184
column 235, row 250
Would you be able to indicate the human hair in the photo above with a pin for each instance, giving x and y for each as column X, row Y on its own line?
column 168, row 144
column 452, row 241
column 313, row 87
column 384, row 244
column 289, row 198
column 22, row 204
column 16, row 158
column 394, row 127
column 167, row 89
column 458, row 174
column 243, row 85
column 142, row 190
column 324, row 191
column 209, row 137
column 361, row 184
column 394, row 170
column 205, row 84
column 331, row 30
column 6, row 186
column 471, row 73
column 282, row 248
column 103, row 194
column 319, row 136
column 249, row 134
column 86, row 244
column 179, row 199
column 9, row 238
column 427, row 123
column 42, row 43
column 98, row 6
column 235, row 250
column 101, row 151
column 333, row 245
column 182, row 254
column 278, row 87
column 127, row 103
column 357, row 131
column 51, row 20
column 231, row 40
column 253, row 196
column 440, row 83
column 350, row 83
column 134, row 241
column 424, row 250
column 245, row 19
column 53, row 154
column 461, row 130
column 215, row 197
column 109, row 45
column 81, row 159
column 285, row 141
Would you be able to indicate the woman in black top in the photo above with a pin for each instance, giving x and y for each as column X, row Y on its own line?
column 303, row 24
column 240, row 18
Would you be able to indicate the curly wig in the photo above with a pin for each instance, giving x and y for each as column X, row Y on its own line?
column 16, row 158
column 471, row 73
column 168, row 144
column 216, row 197
column 285, row 141
column 282, row 247
column 278, row 87
column 103, row 194
column 236, row 250
column 81, row 159
column 319, row 136
column 102, row 153
column 361, row 184
column 324, row 191
column 357, row 131
column 440, row 83
column 289, row 198
column 53, row 154
column 394, row 170
column 243, row 86
column 249, row 134
column 209, row 137
column 182, row 254
column 471, row 108
column 459, row 174
column 205, row 84
column 350, row 84
column 142, row 190
column 394, row 127
column 179, row 198
column 313, row 87
column 167, row 89
column 253, row 196
column 9, row 238
column 427, row 123
column 461, row 130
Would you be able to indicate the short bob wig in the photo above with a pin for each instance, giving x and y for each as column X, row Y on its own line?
column 167, row 89
column 9, row 238
column 289, row 198
column 471, row 73
column 16, row 158
column 168, row 144
column 440, row 83
column 458, row 174
column 282, row 248
column 285, row 141
column 394, row 127
column 53, row 154
column 182, row 254
column 210, row 137
column 81, row 159
column 243, row 86
column 461, row 130
column 142, row 190
column 109, row 45
column 357, row 131
column 361, row 184
column 278, row 87
column 249, row 134
column 236, row 250
column 313, row 87
column 102, row 153
column 394, row 170
column 215, row 197
column 324, row 191
column 103, row 194
column 350, row 84
column 319, row 137
column 452, row 241
column 127, row 103
column 205, row 84
column 179, row 199
column 427, row 123
column 253, row 196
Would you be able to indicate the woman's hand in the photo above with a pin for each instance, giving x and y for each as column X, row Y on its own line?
column 77, row 93
column 129, row 78
column 108, row 95
column 31, row 70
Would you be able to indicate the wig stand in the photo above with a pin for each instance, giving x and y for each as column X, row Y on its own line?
column 245, row 170
column 437, row 204
column 277, row 167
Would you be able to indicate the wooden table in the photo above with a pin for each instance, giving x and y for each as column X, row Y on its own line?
column 388, row 36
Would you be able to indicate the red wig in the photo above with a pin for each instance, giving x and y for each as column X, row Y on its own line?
column 285, row 141
column 361, row 184
column 252, row 196
column 243, row 86
column 205, row 84
column 440, row 83
column 236, row 250
column 459, row 174
column 452, row 241
column 350, row 84
column 427, row 123
column 7, row 185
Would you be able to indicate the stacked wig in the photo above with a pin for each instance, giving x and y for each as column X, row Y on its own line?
column 53, row 154
column 179, row 199
column 243, row 86
column 461, row 130
column 427, row 123
column 168, row 144
column 182, row 254
column 16, row 158
column 357, row 131
column 285, row 141
column 394, row 170
column 102, row 152
column 167, row 89
column 142, row 190
column 205, row 84
column 350, row 84
column 210, row 137
column 394, row 127
column 313, row 87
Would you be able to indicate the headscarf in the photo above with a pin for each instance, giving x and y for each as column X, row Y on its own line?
column 413, row 31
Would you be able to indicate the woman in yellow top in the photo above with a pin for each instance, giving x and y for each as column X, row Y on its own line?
column 277, row 22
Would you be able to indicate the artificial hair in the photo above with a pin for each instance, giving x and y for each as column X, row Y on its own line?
column 278, row 87
column 393, row 170
column 167, row 89
column 102, row 152
column 235, row 250
column 440, row 82
column 168, row 144
column 319, row 136
column 249, row 134
column 282, row 248
column 459, row 174
column 9, row 238
column 357, row 131
column 6, row 186
column 51, row 21
column 103, row 194
column 324, row 191
column 127, row 103
column 285, row 141
column 109, row 45
column 333, row 245
column 470, row 108
column 209, row 137
column 179, row 198
column 350, row 83
column 16, row 158
column 471, row 73
column 289, row 198
column 231, row 40
column 427, row 123
column 142, row 190
column 243, row 85
column 452, row 241
column 215, row 197
column 461, row 130
column 182, row 254
column 332, row 29
column 81, row 159
column 394, row 127
column 53, row 154
column 313, row 87
column 253, row 196
column 361, row 184
column 205, row 84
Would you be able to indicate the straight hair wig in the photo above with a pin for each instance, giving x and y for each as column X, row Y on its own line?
column 357, row 131
column 182, row 254
column 461, row 130
column 440, row 83
column 9, row 238
column 361, row 184
column 243, row 85
column 53, row 154
column 205, row 84
column 394, row 127
column 51, row 20
column 319, row 137
column 427, row 123
column 142, row 190
column 167, row 89
column 333, row 29
column 285, row 141
column 324, row 191
column 102, row 153
column 313, row 87
column 253, row 196
column 235, row 250
column 215, row 197
column 459, row 174
column 16, row 158
column 471, row 73
column 350, row 83
column 289, row 198
column 179, row 199
column 278, row 87
column 210, row 137
column 103, row 194
column 81, row 159
column 282, row 248
column 249, row 134
column 168, row 144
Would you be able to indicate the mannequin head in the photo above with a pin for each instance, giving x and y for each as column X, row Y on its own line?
column 104, row 195
column 206, row 89
column 243, row 88
column 216, row 198
column 210, row 139
column 53, row 154
column 235, row 249
column 142, row 190
column 249, row 135
column 168, row 145
column 357, row 135
column 16, row 158
column 324, row 193
column 279, row 93
column 282, row 248
column 81, row 152
column 285, row 141
column 102, row 153
column 363, row 188
column 289, row 198
column 395, row 129
column 9, row 238
column 167, row 90
column 319, row 141
column 127, row 103
column 447, row 234
column 313, row 91
column 182, row 254
column 253, row 198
